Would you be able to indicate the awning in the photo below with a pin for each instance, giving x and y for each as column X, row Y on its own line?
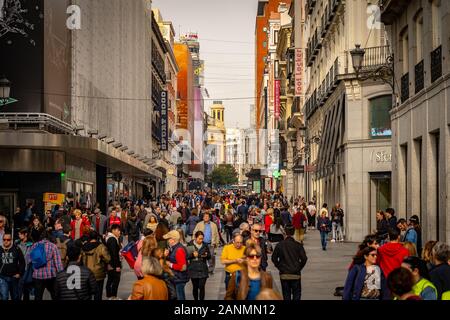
column 90, row 149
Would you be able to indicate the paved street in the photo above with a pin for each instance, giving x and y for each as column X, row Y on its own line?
column 324, row 271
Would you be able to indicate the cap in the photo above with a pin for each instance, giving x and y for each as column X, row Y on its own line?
column 414, row 219
column 174, row 234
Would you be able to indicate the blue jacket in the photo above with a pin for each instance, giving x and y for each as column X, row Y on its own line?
column 355, row 283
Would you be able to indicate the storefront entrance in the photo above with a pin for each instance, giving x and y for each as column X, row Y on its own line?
column 380, row 194
column 8, row 205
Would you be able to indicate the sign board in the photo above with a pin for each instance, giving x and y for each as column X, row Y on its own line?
column 299, row 169
column 54, row 198
column 164, row 122
column 257, row 186
column 310, row 168
column 277, row 99
column 298, row 72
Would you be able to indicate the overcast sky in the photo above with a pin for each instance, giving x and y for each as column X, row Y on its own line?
column 226, row 30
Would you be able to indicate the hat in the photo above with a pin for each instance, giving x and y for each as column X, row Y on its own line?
column 174, row 234
column 414, row 219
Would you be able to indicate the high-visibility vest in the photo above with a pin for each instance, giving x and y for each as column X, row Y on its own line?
column 422, row 285
column 446, row 295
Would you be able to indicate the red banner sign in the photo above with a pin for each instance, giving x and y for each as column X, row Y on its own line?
column 298, row 72
column 277, row 99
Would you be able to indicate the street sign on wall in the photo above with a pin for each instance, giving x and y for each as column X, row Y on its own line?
column 164, row 122
column 298, row 72
column 277, row 98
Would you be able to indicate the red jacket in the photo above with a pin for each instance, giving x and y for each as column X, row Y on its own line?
column 84, row 224
column 298, row 219
column 390, row 256
column 267, row 222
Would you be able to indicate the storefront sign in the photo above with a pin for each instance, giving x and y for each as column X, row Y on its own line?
column 277, row 99
column 299, row 169
column 309, row 168
column 54, row 198
column 383, row 156
column 298, row 72
column 164, row 122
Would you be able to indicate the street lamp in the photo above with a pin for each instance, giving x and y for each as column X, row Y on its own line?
column 384, row 72
column 5, row 88
column 357, row 58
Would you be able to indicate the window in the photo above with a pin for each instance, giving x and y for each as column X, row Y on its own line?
column 419, row 37
column 405, row 50
column 275, row 36
column 436, row 23
column 380, row 119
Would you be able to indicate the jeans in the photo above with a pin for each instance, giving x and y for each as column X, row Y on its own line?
column 9, row 285
column 198, row 286
column 292, row 289
column 99, row 295
column 212, row 261
column 112, row 284
column 40, row 285
column 229, row 232
column 337, row 231
column 323, row 239
column 227, row 279
column 180, row 290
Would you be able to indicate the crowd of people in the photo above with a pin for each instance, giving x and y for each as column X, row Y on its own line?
column 174, row 240
column 167, row 243
column 391, row 264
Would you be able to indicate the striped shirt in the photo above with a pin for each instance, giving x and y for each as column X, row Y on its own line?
column 54, row 264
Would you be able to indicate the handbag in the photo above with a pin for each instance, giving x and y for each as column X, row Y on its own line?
column 28, row 275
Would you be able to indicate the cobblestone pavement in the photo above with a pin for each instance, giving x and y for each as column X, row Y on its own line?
column 324, row 271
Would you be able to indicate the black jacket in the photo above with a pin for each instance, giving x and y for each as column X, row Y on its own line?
column 198, row 267
column 114, row 251
column 289, row 256
column 88, row 286
column 440, row 276
column 132, row 229
column 12, row 261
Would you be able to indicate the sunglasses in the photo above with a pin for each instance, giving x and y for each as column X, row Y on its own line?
column 254, row 256
column 373, row 255
column 257, row 230
column 6, row 239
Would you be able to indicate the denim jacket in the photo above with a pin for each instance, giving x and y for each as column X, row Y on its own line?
column 355, row 283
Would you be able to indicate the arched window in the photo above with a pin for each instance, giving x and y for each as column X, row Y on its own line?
column 436, row 21
column 380, row 119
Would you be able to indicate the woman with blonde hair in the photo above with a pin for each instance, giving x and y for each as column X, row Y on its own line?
column 246, row 284
column 145, row 247
column 427, row 255
column 150, row 287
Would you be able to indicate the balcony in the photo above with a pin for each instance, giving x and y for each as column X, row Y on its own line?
column 310, row 6
column 314, row 46
column 405, row 87
column 327, row 87
column 391, row 9
column 436, row 64
column 419, row 76
column 375, row 57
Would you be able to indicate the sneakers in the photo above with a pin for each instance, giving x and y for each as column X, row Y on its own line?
column 332, row 240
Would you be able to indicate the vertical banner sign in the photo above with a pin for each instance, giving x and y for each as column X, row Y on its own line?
column 277, row 99
column 164, row 122
column 298, row 72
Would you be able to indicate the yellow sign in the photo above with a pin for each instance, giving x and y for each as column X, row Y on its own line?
column 54, row 198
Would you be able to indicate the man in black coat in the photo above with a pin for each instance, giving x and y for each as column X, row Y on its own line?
column 115, row 265
column 77, row 282
column 12, row 267
column 289, row 258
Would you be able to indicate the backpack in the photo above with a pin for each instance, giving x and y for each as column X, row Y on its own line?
column 62, row 247
column 38, row 256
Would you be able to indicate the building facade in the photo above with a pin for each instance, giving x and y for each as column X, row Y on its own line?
column 74, row 128
column 419, row 34
column 348, row 129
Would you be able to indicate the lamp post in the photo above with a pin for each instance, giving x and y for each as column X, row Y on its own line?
column 5, row 90
column 384, row 72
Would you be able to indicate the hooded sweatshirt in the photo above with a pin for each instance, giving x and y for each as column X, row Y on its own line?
column 95, row 256
column 390, row 256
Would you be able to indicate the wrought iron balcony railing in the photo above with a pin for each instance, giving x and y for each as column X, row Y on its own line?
column 436, row 64
column 405, row 87
column 419, row 76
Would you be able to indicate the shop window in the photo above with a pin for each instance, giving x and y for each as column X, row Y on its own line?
column 380, row 119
